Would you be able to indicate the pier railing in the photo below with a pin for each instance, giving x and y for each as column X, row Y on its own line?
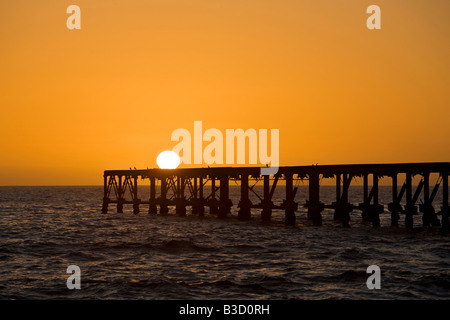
column 201, row 188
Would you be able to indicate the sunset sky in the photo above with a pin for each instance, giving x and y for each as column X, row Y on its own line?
column 108, row 96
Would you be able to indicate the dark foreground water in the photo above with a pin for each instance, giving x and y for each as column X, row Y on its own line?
column 43, row 230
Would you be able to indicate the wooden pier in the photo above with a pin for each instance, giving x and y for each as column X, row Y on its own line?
column 201, row 188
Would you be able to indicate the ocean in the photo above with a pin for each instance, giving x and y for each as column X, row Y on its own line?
column 44, row 230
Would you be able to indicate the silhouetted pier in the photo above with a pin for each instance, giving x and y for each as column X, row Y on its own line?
column 201, row 188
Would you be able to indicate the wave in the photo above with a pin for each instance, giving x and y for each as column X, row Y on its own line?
column 228, row 284
column 347, row 276
column 440, row 280
column 353, row 254
column 245, row 247
column 175, row 245
column 83, row 255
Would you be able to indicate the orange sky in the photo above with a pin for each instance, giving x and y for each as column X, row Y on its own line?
column 108, row 96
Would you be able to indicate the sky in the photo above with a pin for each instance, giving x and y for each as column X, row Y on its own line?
column 108, row 96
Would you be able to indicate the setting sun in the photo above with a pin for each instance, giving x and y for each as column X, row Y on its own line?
column 168, row 160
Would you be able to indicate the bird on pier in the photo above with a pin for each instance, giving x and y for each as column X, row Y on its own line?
column 135, row 168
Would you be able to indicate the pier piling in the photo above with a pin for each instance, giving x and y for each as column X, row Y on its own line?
column 315, row 207
column 152, row 201
column 289, row 202
column 245, row 204
column 267, row 203
column 445, row 209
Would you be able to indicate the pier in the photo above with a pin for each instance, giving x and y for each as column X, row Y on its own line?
column 208, row 188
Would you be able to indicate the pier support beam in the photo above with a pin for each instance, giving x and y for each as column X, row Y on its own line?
column 342, row 207
column 105, row 205
column 337, row 215
column 225, row 203
column 163, row 207
column 244, row 204
column 429, row 217
column 152, row 209
column 315, row 207
column 194, row 198
column 197, row 197
column 267, row 203
column 290, row 205
column 366, row 199
column 105, row 195
column 201, row 200
column 120, row 199
column 410, row 208
column 136, row 200
column 445, row 209
column 370, row 206
column 394, row 207
column 213, row 203
column 376, row 209
column 180, row 201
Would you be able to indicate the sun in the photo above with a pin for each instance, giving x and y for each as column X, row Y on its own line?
column 168, row 160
